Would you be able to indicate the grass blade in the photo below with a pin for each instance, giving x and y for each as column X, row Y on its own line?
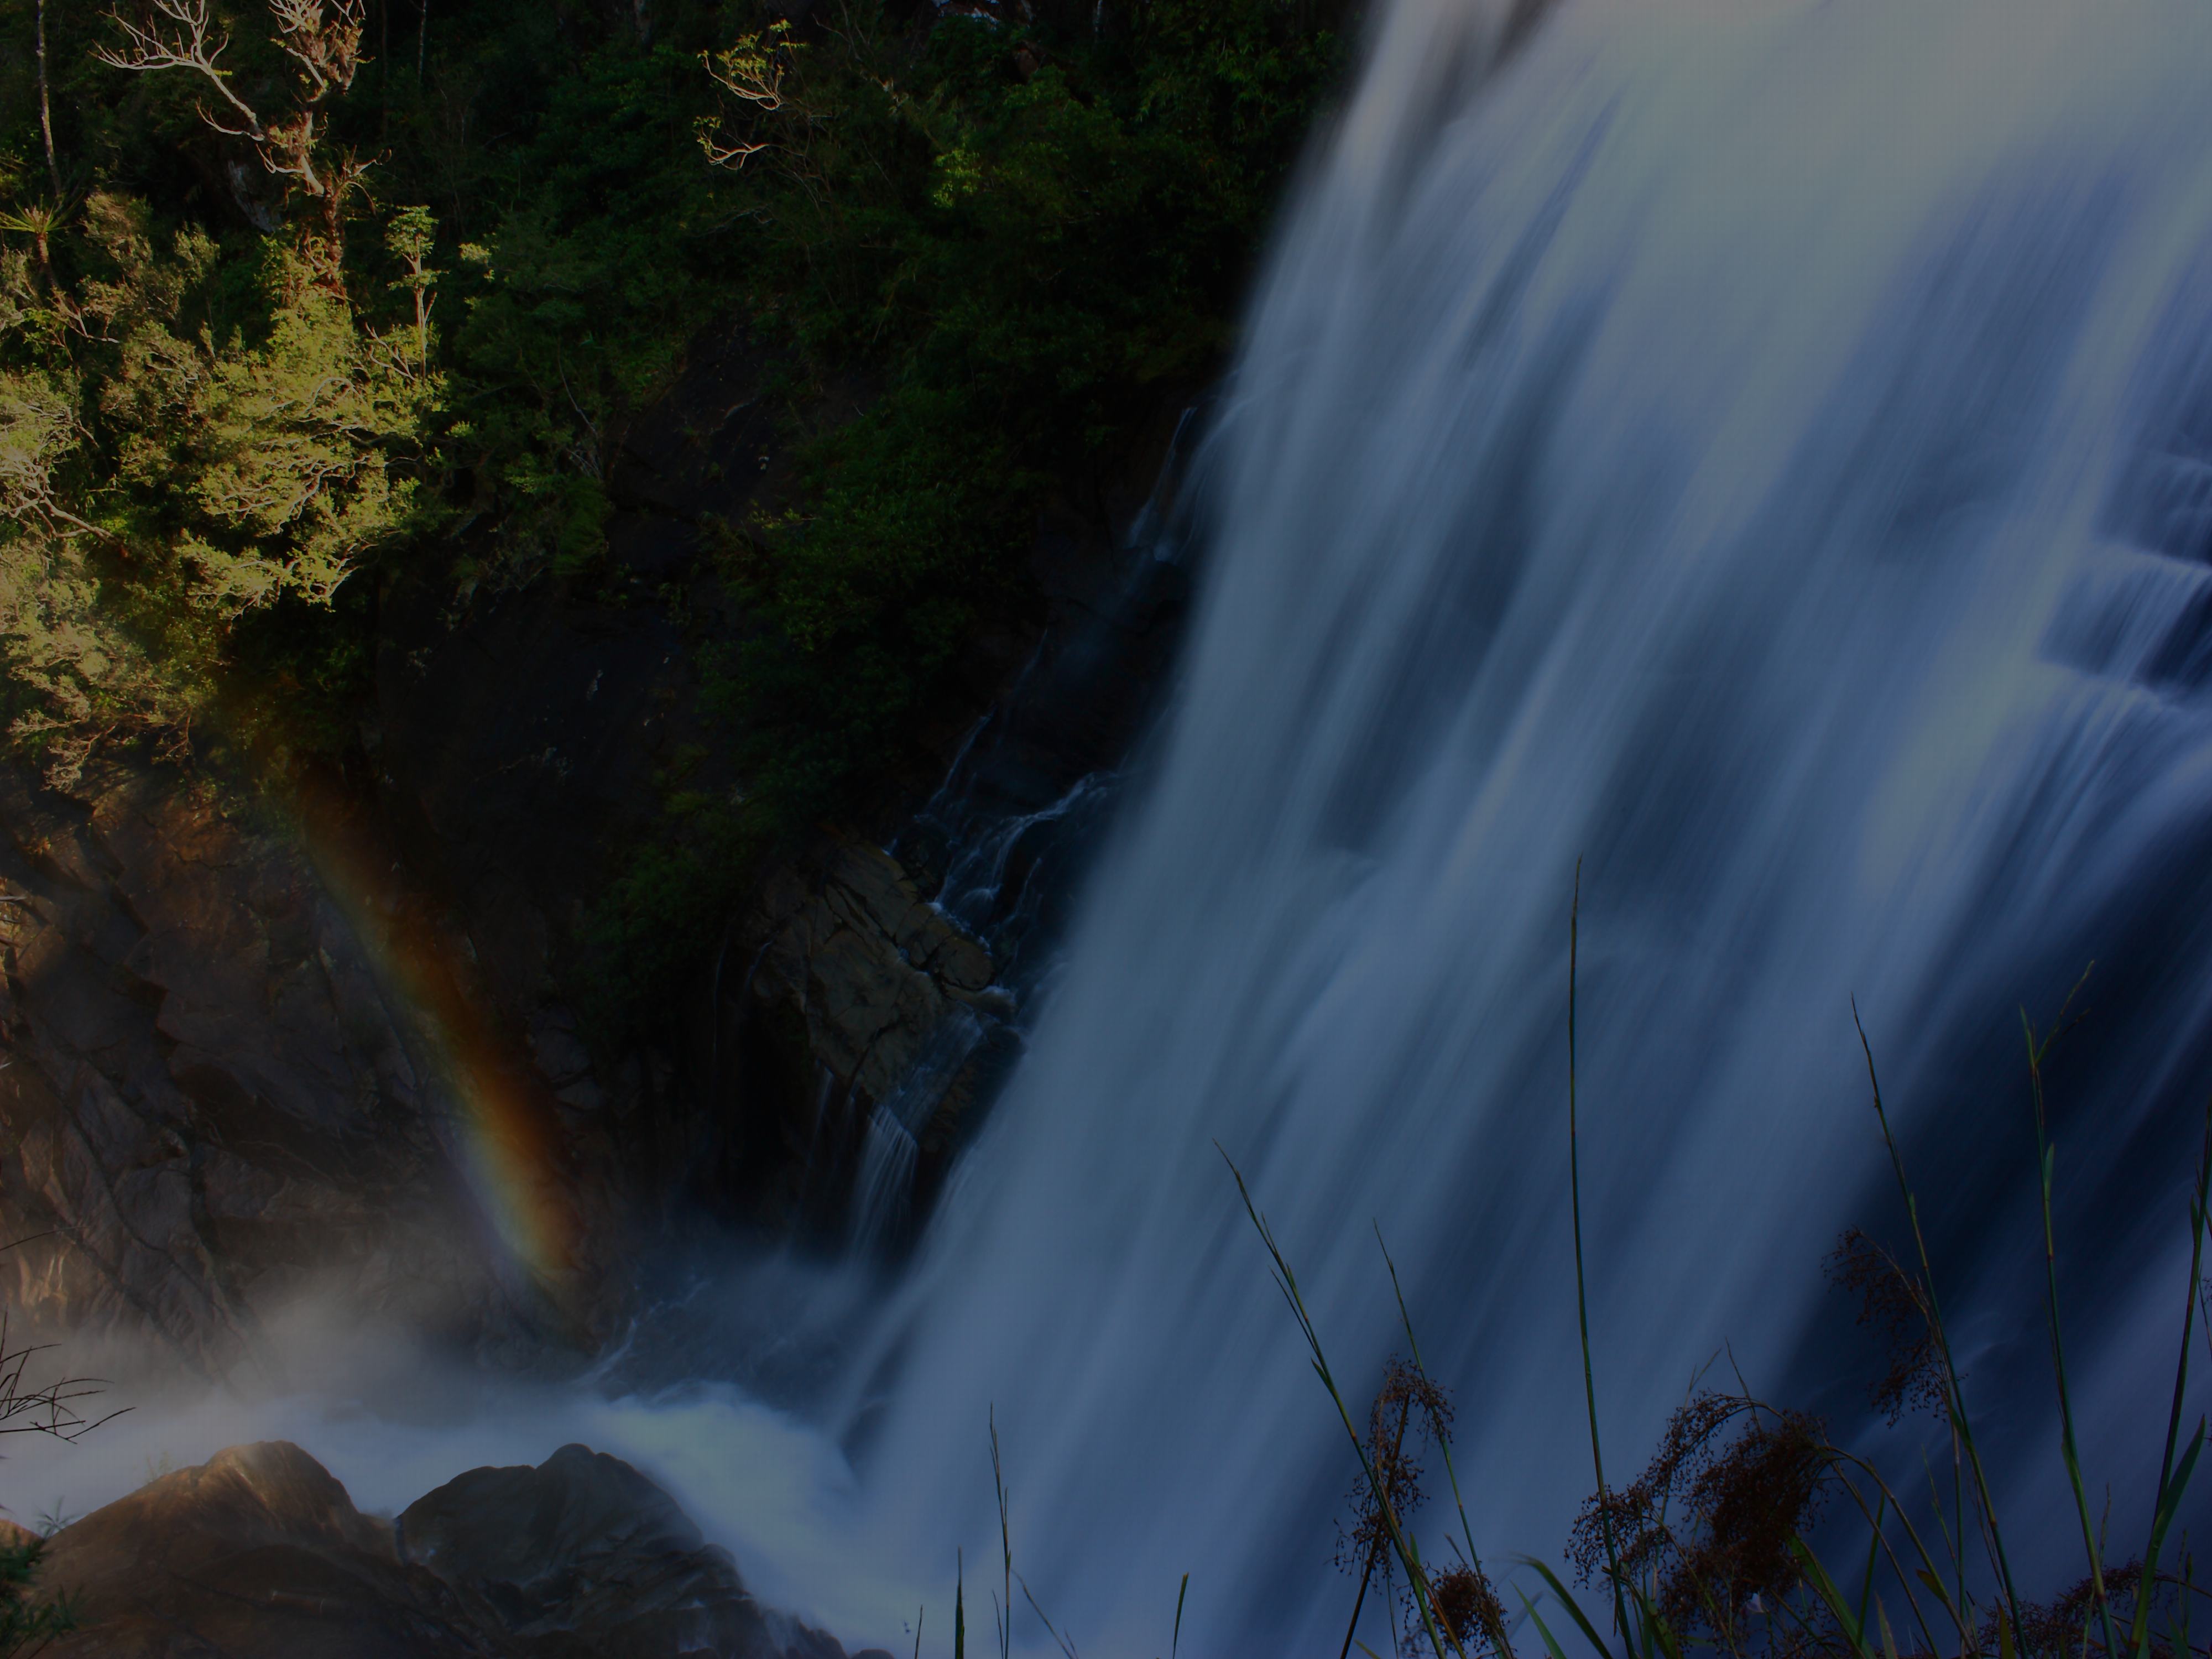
column 1494, row 1625
column 1831, row 1595
column 2046, row 1162
column 1566, row 1598
column 1962, row 1423
column 1408, row 1552
column 2171, row 1483
column 1582, row 1296
column 1543, row 1631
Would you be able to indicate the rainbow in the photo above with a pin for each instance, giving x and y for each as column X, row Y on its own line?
column 506, row 1131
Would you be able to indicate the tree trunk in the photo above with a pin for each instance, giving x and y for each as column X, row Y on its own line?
column 46, row 110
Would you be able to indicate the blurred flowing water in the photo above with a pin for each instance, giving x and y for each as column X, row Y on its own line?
column 1763, row 452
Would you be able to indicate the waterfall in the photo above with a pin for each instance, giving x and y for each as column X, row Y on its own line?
column 1762, row 452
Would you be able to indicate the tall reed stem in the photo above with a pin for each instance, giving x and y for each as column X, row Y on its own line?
column 1408, row 1552
column 2171, row 1482
column 2045, row 1160
column 1581, row 1296
column 1961, row 1425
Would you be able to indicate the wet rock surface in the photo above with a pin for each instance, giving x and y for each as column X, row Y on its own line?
column 261, row 1553
column 850, row 977
column 871, row 999
column 584, row 1555
column 207, row 1100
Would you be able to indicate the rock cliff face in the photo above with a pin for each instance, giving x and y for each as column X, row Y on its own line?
column 868, row 999
column 260, row 1553
column 207, row 1097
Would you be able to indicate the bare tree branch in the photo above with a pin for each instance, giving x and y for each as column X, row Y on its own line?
column 323, row 39
column 180, row 35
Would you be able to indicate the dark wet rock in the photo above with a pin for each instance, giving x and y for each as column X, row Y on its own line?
column 848, row 981
column 583, row 1555
column 866, row 965
column 258, row 1552
column 862, row 976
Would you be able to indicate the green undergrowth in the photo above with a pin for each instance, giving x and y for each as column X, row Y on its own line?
column 1028, row 238
column 28, row 1622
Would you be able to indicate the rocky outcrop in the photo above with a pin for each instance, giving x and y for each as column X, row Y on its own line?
column 577, row 699
column 225, row 1031
column 257, row 1551
column 584, row 1555
column 260, row 1553
column 208, row 1099
column 866, row 965
column 226, row 1038
column 851, row 978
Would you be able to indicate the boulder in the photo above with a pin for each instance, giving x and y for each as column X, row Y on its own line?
column 584, row 1556
column 259, row 1553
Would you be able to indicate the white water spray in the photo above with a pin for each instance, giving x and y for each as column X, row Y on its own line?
column 1763, row 450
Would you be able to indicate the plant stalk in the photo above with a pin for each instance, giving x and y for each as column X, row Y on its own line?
column 1582, row 1296
column 46, row 110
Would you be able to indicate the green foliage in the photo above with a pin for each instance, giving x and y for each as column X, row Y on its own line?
column 183, row 439
column 579, row 301
column 1034, row 240
column 914, row 523
column 28, row 1625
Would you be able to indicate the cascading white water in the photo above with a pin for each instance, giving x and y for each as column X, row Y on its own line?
column 1758, row 450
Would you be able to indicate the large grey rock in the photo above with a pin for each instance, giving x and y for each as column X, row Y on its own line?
column 583, row 1555
column 259, row 1553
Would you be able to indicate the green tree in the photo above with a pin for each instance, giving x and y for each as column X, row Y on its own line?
column 172, row 458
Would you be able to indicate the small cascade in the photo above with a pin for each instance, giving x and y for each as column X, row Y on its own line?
column 883, row 1190
column 1007, row 863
